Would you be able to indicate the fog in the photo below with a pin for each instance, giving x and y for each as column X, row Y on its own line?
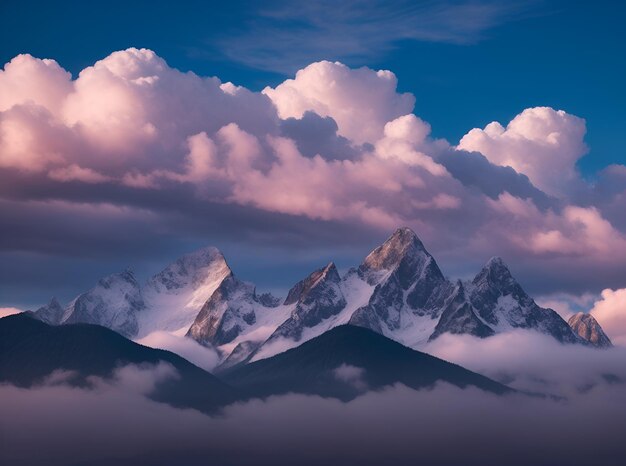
column 113, row 421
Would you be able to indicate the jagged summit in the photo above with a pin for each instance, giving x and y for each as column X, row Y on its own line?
column 114, row 303
column 191, row 269
column 587, row 327
column 51, row 313
column 404, row 242
column 494, row 272
column 125, row 276
column 398, row 290
column 303, row 287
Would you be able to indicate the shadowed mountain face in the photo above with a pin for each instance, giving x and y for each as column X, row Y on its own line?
column 347, row 361
column 30, row 350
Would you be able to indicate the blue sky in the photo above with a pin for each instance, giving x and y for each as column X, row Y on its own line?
column 467, row 63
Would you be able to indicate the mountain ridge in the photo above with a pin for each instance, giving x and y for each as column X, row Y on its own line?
column 398, row 290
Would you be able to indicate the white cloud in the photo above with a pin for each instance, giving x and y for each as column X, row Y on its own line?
column 540, row 142
column 361, row 101
column 529, row 360
column 351, row 375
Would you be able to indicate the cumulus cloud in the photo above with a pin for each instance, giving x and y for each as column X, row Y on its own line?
column 361, row 101
column 334, row 149
column 610, row 312
column 540, row 142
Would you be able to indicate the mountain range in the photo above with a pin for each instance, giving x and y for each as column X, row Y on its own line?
column 398, row 291
column 342, row 363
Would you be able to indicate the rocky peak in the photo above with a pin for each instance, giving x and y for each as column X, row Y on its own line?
column 51, row 313
column 125, row 278
column 496, row 275
column 193, row 269
column 304, row 287
column 404, row 254
column 404, row 242
column 587, row 327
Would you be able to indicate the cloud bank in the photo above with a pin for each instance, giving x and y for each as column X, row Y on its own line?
column 132, row 152
column 113, row 421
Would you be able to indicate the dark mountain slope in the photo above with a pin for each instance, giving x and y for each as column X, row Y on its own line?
column 30, row 350
column 344, row 362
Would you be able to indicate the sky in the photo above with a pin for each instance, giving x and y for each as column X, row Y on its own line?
column 121, row 149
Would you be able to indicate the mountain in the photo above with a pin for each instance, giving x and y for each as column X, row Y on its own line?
column 232, row 309
column 316, row 298
column 175, row 296
column 409, row 289
column 587, row 327
column 51, row 313
column 398, row 291
column 169, row 301
column 347, row 361
column 113, row 303
column 30, row 350
column 494, row 302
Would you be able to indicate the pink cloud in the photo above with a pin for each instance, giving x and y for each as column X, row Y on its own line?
column 9, row 311
column 610, row 312
column 130, row 128
column 361, row 101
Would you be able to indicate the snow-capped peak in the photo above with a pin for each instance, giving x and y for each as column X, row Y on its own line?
column 51, row 313
column 114, row 303
column 494, row 273
column 175, row 295
column 193, row 269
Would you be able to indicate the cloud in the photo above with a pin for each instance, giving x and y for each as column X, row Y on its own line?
column 114, row 422
column 531, row 361
column 361, row 101
column 134, row 155
column 351, row 375
column 9, row 311
column 283, row 37
column 201, row 356
column 540, row 142
column 610, row 312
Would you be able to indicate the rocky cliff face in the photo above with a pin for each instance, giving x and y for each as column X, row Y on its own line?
column 228, row 312
column 587, row 327
column 494, row 302
column 316, row 298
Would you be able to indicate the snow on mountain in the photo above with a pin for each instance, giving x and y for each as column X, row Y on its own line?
column 114, row 302
column 51, row 313
column 398, row 291
column 169, row 301
column 587, row 327
column 502, row 304
column 175, row 296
